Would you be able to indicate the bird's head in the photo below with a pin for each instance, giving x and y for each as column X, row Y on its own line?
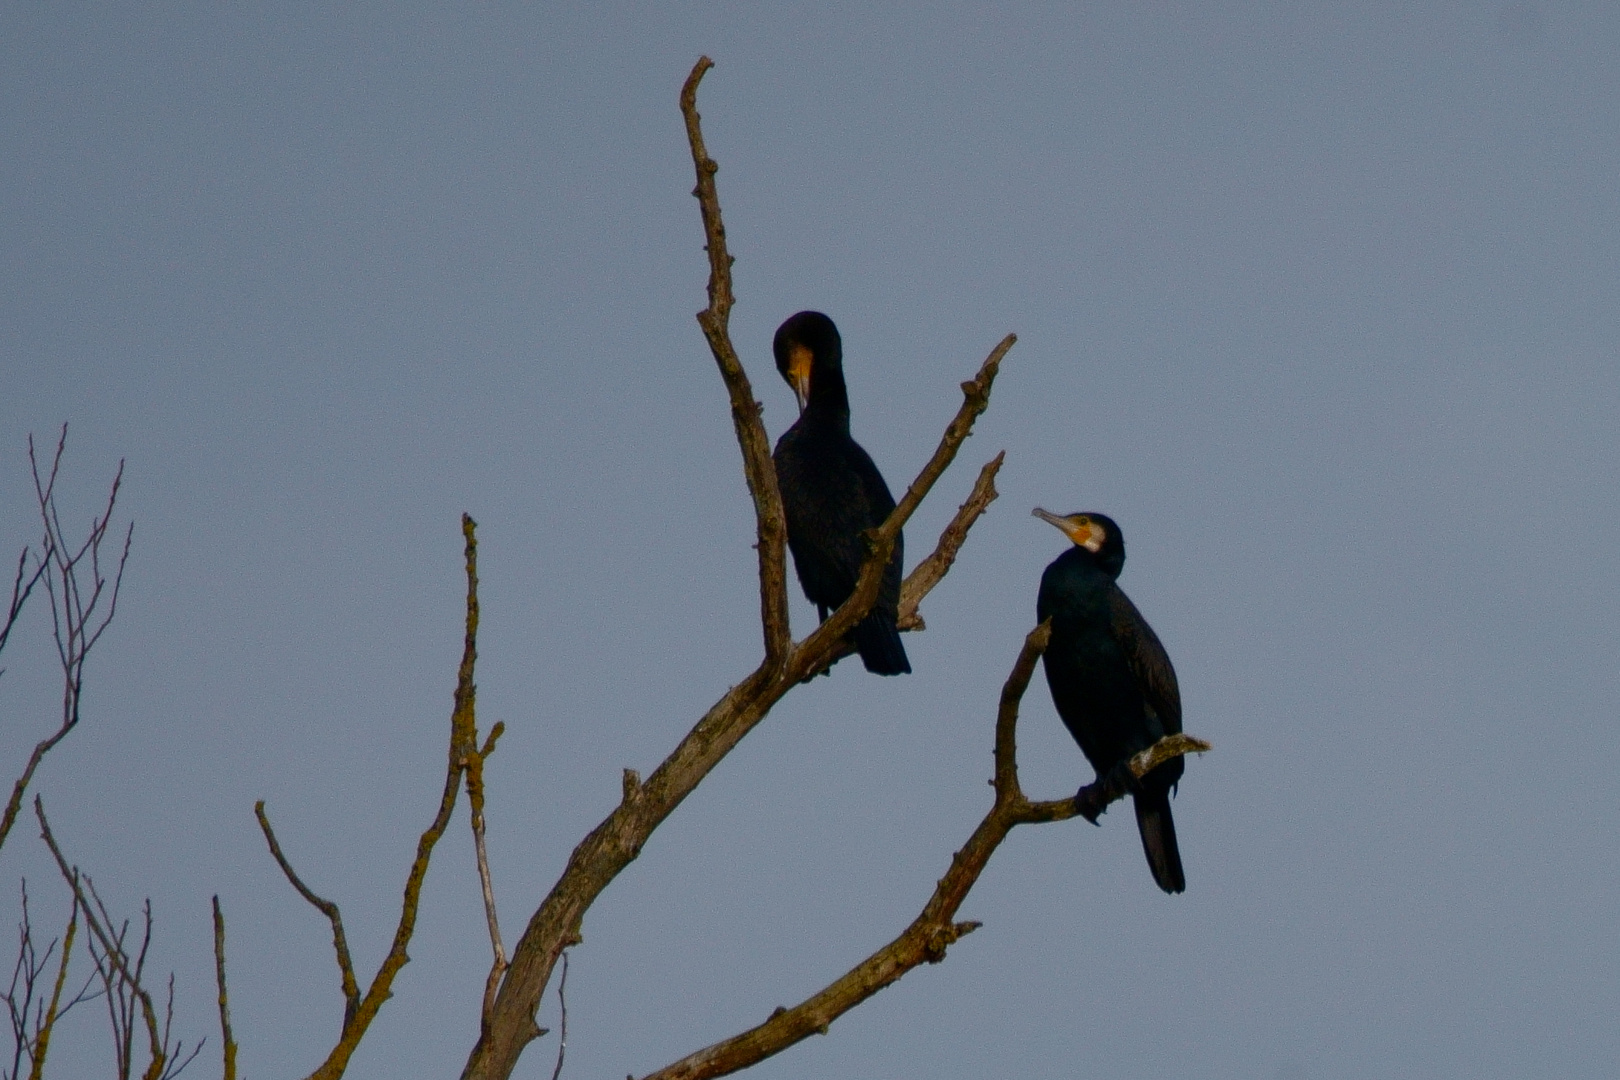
column 810, row 355
column 1091, row 532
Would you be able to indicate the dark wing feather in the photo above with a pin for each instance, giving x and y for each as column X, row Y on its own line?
column 1147, row 660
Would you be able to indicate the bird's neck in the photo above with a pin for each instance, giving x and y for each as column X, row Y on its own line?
column 829, row 401
column 1083, row 564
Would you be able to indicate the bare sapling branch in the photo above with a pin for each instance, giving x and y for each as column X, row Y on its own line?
column 122, row 974
column 83, row 602
column 227, row 1039
column 33, row 1017
column 614, row 843
column 934, row 930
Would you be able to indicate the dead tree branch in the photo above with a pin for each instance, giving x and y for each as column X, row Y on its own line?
column 933, row 931
column 932, row 570
column 611, row 846
column 76, row 584
column 475, row 798
column 45, row 1025
column 746, row 413
column 358, row 1015
column 340, row 940
column 227, row 1040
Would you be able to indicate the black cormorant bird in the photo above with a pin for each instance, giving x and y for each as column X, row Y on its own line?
column 1111, row 680
column 831, row 491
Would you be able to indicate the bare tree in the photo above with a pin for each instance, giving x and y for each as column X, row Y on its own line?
column 517, row 981
column 83, row 602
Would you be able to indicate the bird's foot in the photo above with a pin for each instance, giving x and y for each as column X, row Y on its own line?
column 1092, row 801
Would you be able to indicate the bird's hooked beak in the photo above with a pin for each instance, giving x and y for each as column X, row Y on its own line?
column 799, row 360
column 1077, row 527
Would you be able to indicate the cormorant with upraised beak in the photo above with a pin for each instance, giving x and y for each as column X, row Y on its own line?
column 1111, row 680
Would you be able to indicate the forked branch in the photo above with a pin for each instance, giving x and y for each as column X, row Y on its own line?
column 359, row 1011
column 340, row 940
column 932, row 570
column 614, row 843
column 934, row 930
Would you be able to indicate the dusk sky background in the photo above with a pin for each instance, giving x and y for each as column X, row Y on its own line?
column 1320, row 302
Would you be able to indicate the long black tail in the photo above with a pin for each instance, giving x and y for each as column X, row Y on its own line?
column 1158, row 831
column 879, row 643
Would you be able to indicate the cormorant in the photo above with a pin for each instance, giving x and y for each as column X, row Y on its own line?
column 831, row 491
column 1111, row 680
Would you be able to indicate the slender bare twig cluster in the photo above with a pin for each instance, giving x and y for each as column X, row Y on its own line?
column 82, row 583
column 129, row 1003
column 83, row 602
column 33, row 1015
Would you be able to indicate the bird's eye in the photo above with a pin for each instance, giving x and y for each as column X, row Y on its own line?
column 1082, row 520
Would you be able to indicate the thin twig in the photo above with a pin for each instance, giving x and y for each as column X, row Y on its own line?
column 475, row 796
column 26, row 971
column 928, row 573
column 229, row 1040
column 20, row 593
column 562, row 1006
column 340, row 940
column 618, row 840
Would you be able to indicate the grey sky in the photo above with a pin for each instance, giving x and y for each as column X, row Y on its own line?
column 1318, row 303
